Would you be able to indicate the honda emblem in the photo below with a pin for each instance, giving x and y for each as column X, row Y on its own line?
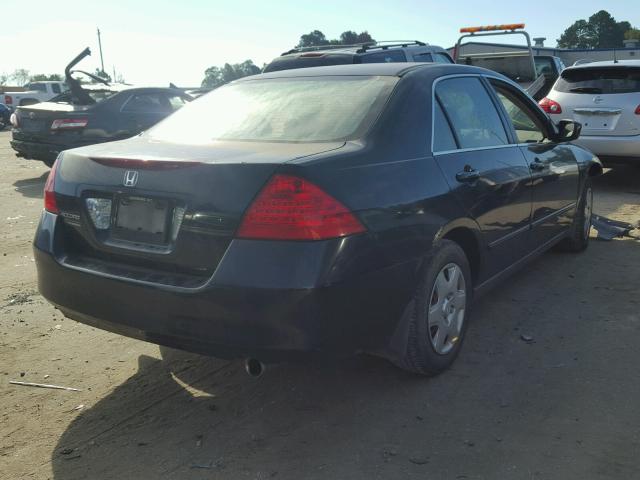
column 130, row 178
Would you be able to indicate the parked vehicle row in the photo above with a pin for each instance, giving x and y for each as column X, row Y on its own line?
column 35, row 92
column 329, row 210
column 89, row 114
column 605, row 98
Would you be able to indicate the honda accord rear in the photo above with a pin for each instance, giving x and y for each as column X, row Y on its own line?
column 226, row 229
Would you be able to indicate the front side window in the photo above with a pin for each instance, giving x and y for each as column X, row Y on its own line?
column 55, row 87
column 391, row 56
column 525, row 123
column 176, row 102
column 473, row 115
column 302, row 109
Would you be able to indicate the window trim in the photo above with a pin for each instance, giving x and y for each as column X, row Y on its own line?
column 541, row 123
column 491, row 95
column 483, row 78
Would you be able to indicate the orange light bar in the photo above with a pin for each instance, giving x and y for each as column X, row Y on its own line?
column 492, row 28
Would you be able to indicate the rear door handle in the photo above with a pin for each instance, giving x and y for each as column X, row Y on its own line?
column 469, row 174
column 538, row 166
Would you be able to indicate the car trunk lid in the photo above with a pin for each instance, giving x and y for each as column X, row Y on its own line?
column 35, row 122
column 169, row 219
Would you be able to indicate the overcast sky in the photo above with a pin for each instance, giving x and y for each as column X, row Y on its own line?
column 158, row 41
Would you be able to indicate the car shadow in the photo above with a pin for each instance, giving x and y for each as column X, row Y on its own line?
column 536, row 383
column 31, row 187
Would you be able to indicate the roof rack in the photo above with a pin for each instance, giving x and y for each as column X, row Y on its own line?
column 383, row 45
column 362, row 47
column 315, row 48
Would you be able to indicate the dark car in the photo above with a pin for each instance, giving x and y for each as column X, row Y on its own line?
column 5, row 116
column 375, row 52
column 89, row 114
column 333, row 210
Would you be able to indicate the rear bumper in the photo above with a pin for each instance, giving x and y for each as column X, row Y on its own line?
column 36, row 151
column 259, row 303
column 612, row 146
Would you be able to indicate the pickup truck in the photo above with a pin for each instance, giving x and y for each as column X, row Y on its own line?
column 535, row 73
column 36, row 92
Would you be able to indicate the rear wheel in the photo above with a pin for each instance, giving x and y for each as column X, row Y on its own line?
column 578, row 240
column 442, row 306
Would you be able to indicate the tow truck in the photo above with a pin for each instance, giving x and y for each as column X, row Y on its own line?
column 518, row 65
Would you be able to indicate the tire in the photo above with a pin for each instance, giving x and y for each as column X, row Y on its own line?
column 435, row 338
column 578, row 240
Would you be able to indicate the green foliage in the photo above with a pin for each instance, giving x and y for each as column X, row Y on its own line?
column 318, row 39
column 42, row 77
column 600, row 31
column 217, row 76
column 632, row 34
column 20, row 76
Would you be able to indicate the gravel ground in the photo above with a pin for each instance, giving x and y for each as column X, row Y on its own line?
column 563, row 406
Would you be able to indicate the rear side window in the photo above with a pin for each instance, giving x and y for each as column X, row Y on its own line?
column 391, row 56
column 308, row 60
column 604, row 80
column 442, row 58
column 146, row 103
column 422, row 57
column 473, row 115
column 39, row 87
column 443, row 139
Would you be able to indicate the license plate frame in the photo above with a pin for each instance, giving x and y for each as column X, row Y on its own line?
column 142, row 220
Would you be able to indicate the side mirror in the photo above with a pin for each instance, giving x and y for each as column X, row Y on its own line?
column 568, row 131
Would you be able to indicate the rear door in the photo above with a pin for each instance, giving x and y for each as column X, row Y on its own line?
column 487, row 173
column 553, row 166
column 605, row 100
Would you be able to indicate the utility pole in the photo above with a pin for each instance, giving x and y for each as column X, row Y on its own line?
column 100, row 46
column 114, row 73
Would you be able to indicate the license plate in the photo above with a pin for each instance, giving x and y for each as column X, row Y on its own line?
column 142, row 220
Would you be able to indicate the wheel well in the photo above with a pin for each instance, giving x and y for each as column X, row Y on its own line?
column 595, row 170
column 466, row 239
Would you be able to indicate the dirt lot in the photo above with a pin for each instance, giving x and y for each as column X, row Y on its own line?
column 562, row 407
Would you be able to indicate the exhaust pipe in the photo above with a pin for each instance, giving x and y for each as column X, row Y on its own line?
column 254, row 367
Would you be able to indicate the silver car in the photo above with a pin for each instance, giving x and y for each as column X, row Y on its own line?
column 605, row 98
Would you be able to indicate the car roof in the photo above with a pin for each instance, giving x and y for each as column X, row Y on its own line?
column 608, row 63
column 393, row 69
column 364, row 48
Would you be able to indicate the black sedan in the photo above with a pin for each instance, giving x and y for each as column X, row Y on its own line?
column 43, row 130
column 330, row 210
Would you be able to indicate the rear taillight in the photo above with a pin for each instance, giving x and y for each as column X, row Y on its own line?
column 50, row 204
column 292, row 208
column 550, row 106
column 637, row 112
column 69, row 123
column 8, row 100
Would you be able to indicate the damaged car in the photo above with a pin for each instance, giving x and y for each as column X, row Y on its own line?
column 330, row 210
column 89, row 113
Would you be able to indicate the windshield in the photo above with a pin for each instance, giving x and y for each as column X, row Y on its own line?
column 311, row 109
column 599, row 80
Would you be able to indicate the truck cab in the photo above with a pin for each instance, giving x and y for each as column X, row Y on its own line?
column 35, row 92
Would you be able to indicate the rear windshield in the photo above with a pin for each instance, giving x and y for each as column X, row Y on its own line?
column 599, row 80
column 308, row 60
column 311, row 109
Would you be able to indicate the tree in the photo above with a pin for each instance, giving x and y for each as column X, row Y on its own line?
column 600, row 31
column 217, row 76
column 632, row 34
column 41, row 77
column 318, row 39
column 20, row 76
column 312, row 39
column 4, row 78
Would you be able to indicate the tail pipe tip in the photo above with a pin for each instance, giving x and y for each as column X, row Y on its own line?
column 254, row 367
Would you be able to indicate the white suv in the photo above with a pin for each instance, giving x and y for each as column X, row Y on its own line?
column 605, row 98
